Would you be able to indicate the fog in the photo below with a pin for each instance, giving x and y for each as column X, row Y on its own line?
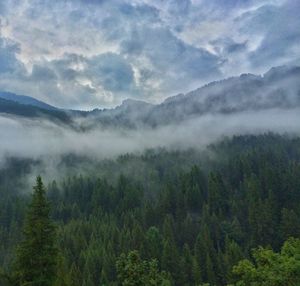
column 43, row 139
column 48, row 142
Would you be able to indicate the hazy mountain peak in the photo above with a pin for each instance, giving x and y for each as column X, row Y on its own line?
column 129, row 102
column 174, row 98
column 277, row 73
column 278, row 88
column 249, row 76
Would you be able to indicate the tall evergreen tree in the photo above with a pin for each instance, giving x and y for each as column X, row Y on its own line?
column 37, row 254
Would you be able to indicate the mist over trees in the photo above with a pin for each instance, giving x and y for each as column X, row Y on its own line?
column 170, row 222
column 150, row 143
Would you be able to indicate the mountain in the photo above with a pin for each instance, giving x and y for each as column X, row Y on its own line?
column 26, row 100
column 279, row 88
column 30, row 111
column 129, row 114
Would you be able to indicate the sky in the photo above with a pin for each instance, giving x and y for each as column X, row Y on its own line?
column 86, row 54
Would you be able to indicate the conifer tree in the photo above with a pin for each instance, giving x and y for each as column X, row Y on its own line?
column 153, row 243
column 37, row 254
column 196, row 272
column 289, row 224
column 75, row 275
column 62, row 275
column 170, row 258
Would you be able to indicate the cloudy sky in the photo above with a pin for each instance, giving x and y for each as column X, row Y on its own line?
column 95, row 53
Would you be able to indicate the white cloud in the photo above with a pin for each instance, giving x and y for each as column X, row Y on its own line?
column 157, row 48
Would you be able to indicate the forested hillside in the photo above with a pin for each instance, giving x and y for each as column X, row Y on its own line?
column 187, row 217
column 277, row 89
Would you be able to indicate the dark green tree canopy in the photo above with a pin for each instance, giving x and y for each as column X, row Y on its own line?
column 37, row 254
column 192, row 214
column 133, row 271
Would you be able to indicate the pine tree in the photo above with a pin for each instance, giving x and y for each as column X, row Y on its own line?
column 153, row 243
column 232, row 255
column 62, row 275
column 217, row 194
column 37, row 254
column 196, row 272
column 187, row 265
column 205, row 255
column 210, row 274
column 290, row 224
column 170, row 259
column 75, row 275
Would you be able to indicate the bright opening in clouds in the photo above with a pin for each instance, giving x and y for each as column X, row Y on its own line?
column 96, row 53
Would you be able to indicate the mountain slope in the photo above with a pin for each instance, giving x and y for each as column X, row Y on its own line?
column 29, row 111
column 26, row 100
column 278, row 88
column 129, row 114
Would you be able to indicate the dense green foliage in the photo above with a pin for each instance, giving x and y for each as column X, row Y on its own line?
column 269, row 268
column 196, row 213
column 132, row 271
column 36, row 256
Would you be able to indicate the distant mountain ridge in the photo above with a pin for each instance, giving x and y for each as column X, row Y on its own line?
column 30, row 111
column 26, row 100
column 278, row 88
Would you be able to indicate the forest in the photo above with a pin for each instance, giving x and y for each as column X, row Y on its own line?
column 228, row 214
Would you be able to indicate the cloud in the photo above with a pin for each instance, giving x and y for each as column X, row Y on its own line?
column 8, row 60
column 43, row 140
column 110, row 71
column 278, row 27
column 168, row 58
column 84, row 54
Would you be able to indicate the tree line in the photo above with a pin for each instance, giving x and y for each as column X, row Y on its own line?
column 225, row 221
